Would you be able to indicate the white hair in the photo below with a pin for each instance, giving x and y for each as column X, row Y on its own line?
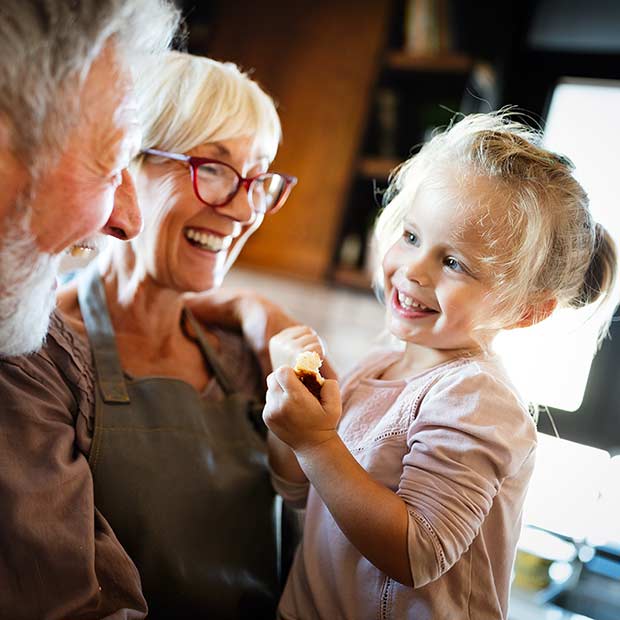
column 27, row 295
column 185, row 101
column 47, row 48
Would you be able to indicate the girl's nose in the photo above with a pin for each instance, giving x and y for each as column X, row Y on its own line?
column 417, row 271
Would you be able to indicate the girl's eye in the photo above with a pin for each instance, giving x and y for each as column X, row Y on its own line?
column 452, row 263
column 410, row 238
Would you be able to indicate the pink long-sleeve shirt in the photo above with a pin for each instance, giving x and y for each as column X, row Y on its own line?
column 457, row 444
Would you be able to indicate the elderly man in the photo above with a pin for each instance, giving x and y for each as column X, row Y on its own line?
column 67, row 132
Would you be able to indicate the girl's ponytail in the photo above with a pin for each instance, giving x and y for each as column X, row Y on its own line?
column 600, row 276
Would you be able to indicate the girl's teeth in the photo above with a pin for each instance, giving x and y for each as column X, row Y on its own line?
column 206, row 241
column 407, row 302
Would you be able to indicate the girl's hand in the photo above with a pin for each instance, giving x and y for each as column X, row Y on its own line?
column 289, row 343
column 295, row 416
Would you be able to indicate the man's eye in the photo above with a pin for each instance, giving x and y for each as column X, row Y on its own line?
column 116, row 179
column 452, row 263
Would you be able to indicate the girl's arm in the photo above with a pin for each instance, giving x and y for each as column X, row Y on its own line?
column 282, row 460
column 371, row 516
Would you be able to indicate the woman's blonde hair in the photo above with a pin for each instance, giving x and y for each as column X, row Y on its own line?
column 540, row 239
column 186, row 100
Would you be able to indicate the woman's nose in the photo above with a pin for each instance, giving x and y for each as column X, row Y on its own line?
column 239, row 208
column 125, row 222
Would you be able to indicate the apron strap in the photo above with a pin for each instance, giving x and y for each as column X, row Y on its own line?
column 210, row 355
column 93, row 305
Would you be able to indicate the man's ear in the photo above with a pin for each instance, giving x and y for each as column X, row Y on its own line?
column 535, row 313
column 6, row 137
column 7, row 156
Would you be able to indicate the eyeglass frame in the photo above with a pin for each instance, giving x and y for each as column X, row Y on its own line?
column 245, row 182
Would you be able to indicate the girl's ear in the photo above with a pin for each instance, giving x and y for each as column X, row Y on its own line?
column 536, row 312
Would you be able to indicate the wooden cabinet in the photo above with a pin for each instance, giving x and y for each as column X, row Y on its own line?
column 319, row 60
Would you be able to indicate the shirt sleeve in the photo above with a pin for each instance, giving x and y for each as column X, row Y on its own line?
column 59, row 558
column 471, row 433
column 295, row 494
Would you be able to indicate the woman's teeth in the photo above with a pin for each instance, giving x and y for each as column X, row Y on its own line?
column 206, row 241
column 408, row 302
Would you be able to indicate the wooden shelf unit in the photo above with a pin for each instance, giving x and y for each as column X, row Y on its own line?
column 431, row 63
column 378, row 168
column 414, row 92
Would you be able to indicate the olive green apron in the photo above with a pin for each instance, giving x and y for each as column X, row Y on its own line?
column 183, row 482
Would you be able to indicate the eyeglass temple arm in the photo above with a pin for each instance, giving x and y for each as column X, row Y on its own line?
column 177, row 156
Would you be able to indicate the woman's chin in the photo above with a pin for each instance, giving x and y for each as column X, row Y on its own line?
column 198, row 285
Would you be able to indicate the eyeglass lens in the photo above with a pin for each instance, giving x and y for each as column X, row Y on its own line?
column 217, row 184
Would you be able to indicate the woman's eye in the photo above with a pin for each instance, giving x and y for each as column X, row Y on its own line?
column 452, row 263
column 208, row 171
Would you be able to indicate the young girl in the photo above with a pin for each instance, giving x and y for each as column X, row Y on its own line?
column 416, row 495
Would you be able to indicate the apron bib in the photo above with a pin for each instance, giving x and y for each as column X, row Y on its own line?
column 183, row 483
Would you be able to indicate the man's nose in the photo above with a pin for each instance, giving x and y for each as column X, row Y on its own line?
column 126, row 220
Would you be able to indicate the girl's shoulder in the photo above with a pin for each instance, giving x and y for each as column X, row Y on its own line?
column 371, row 365
column 480, row 391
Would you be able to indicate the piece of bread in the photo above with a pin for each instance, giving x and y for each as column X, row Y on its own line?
column 306, row 368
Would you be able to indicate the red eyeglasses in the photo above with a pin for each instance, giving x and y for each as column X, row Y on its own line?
column 216, row 183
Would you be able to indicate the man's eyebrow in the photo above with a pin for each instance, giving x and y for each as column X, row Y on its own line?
column 107, row 156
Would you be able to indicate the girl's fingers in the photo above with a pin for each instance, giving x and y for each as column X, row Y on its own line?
column 294, row 332
column 308, row 342
column 273, row 384
column 284, row 377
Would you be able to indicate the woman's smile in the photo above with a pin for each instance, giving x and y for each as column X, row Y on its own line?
column 207, row 240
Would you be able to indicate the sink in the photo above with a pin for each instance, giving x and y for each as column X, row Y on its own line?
column 595, row 596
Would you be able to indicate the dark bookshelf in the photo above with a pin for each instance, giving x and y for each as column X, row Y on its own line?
column 416, row 90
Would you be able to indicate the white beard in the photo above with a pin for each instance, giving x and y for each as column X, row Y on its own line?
column 27, row 291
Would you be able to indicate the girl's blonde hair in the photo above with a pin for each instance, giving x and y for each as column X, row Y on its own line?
column 185, row 101
column 540, row 239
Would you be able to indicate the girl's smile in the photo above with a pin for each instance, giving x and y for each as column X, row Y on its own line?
column 410, row 307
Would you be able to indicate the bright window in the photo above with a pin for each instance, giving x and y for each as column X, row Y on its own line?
column 583, row 123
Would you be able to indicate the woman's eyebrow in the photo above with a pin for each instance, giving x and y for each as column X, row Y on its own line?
column 221, row 149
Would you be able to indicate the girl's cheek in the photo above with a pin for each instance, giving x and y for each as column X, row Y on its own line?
column 390, row 261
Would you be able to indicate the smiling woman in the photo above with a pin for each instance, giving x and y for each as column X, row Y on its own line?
column 211, row 137
column 177, row 459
